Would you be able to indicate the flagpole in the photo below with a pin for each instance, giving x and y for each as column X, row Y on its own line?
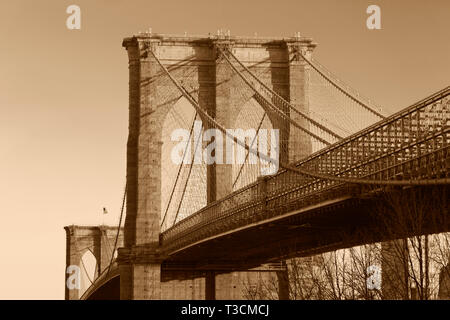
column 105, row 211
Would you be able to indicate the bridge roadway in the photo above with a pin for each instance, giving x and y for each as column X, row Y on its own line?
column 287, row 214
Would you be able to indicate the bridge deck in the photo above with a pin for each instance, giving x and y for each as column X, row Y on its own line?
column 409, row 145
column 262, row 222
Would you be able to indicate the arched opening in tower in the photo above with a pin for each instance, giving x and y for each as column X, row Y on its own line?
column 88, row 270
column 257, row 130
column 183, row 180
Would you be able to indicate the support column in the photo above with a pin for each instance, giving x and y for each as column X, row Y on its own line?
column 146, row 281
column 140, row 272
column 444, row 282
column 142, row 224
column 126, row 281
column 394, row 269
column 300, row 144
column 283, row 284
column 133, row 141
column 79, row 240
column 219, row 176
column 73, row 258
column 149, row 153
column 210, row 285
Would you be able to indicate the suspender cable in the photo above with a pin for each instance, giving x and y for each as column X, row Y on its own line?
column 187, row 179
column 297, row 169
column 179, row 170
column 283, row 101
column 272, row 106
column 340, row 88
column 246, row 156
column 118, row 229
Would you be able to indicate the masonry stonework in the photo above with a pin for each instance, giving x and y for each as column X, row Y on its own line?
column 98, row 240
column 214, row 86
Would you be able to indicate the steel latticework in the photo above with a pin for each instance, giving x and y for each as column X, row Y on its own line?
column 410, row 147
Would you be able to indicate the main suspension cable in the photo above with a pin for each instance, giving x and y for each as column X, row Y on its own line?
column 280, row 98
column 272, row 106
column 340, row 87
column 296, row 169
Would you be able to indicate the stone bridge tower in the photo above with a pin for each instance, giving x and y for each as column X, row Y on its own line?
column 215, row 90
column 97, row 240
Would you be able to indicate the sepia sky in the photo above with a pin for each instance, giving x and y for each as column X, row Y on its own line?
column 64, row 99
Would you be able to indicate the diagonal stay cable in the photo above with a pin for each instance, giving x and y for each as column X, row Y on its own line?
column 251, row 145
column 118, row 229
column 208, row 117
column 187, row 179
column 272, row 106
column 179, row 170
column 340, row 87
column 86, row 272
column 104, row 236
column 286, row 103
column 82, row 261
column 290, row 167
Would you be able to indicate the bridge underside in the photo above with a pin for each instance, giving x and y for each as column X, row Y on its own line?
column 331, row 225
column 110, row 290
column 292, row 234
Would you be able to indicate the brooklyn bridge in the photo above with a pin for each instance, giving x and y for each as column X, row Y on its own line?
column 195, row 229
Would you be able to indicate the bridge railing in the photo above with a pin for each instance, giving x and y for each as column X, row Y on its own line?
column 377, row 150
column 411, row 144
